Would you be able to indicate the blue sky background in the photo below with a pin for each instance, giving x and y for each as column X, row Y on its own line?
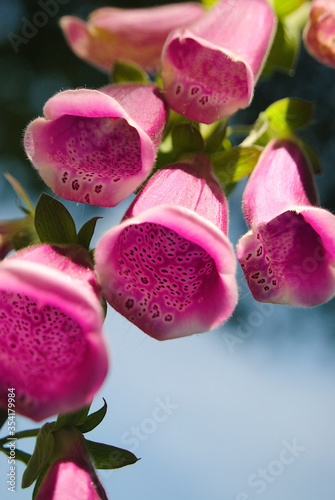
column 239, row 396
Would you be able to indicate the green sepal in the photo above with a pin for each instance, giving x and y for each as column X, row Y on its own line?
column 43, row 451
column 216, row 135
column 19, row 455
column 86, row 232
column 126, row 72
column 285, row 7
column 285, row 48
column 281, row 119
column 312, row 156
column 93, row 420
column 186, row 138
column 3, row 416
column 39, row 481
column 18, row 188
column 230, row 166
column 105, row 456
column 53, row 222
column 72, row 419
column 208, row 3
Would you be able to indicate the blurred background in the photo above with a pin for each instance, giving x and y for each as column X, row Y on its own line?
column 246, row 411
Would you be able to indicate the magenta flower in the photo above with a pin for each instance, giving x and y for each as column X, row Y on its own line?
column 97, row 146
column 134, row 35
column 169, row 266
column 288, row 255
column 319, row 32
column 51, row 346
column 72, row 476
column 210, row 69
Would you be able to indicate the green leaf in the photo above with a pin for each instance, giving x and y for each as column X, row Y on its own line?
column 124, row 71
column 285, row 7
column 72, row 419
column 19, row 455
column 283, row 118
column 53, row 222
column 93, row 420
column 42, row 453
column 86, row 232
column 232, row 165
column 3, row 416
column 105, row 456
column 186, row 138
column 285, row 48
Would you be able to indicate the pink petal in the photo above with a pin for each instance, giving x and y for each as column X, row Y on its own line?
column 96, row 146
column 281, row 179
column 52, row 348
column 169, row 271
column 319, row 33
column 70, row 480
column 291, row 258
column 209, row 69
column 135, row 35
column 190, row 184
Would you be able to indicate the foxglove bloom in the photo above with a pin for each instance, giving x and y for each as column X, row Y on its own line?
column 52, row 349
column 319, row 33
column 134, row 35
column 169, row 266
column 210, row 68
column 97, row 146
column 72, row 475
column 288, row 255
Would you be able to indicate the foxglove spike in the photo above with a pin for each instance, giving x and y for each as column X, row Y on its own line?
column 288, row 255
column 210, row 68
column 319, row 32
column 52, row 349
column 134, row 35
column 169, row 266
column 97, row 146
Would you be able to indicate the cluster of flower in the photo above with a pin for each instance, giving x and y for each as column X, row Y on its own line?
column 169, row 266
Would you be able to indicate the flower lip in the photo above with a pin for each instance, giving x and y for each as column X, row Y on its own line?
column 56, row 356
column 160, row 303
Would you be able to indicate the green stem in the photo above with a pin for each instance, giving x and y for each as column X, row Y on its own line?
column 238, row 130
column 20, row 435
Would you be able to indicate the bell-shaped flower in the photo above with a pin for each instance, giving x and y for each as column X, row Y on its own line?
column 210, row 68
column 97, row 146
column 52, row 348
column 169, row 266
column 288, row 255
column 72, row 475
column 319, row 32
column 134, row 35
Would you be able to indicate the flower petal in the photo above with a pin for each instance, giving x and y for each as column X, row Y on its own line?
column 319, row 32
column 169, row 271
column 290, row 259
column 91, row 148
column 52, row 348
column 209, row 69
column 282, row 178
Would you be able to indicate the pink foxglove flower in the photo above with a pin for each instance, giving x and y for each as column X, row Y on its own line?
column 72, row 475
column 319, row 33
column 288, row 255
column 169, row 266
column 52, row 349
column 134, row 35
column 210, row 68
column 97, row 146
